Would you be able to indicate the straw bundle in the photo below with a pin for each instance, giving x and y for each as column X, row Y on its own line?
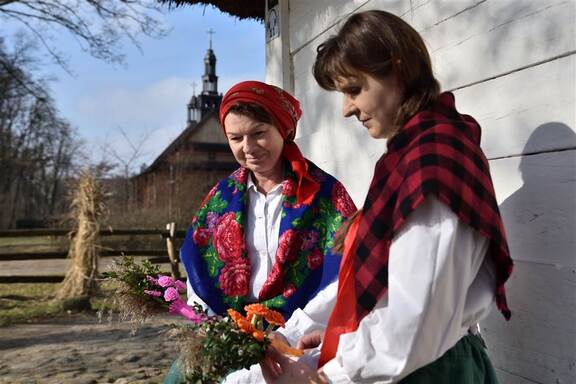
column 87, row 208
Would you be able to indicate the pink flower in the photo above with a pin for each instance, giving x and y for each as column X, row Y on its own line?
column 274, row 283
column 180, row 286
column 342, row 200
column 288, row 246
column 235, row 278
column 228, row 238
column 180, row 308
column 165, row 281
column 315, row 259
column 171, row 294
column 151, row 280
column 152, row 293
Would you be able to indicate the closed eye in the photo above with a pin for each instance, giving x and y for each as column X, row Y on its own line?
column 352, row 91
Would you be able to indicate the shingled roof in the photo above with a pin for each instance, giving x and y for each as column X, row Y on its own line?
column 243, row 9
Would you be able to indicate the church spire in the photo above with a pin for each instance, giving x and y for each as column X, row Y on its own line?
column 210, row 80
column 208, row 100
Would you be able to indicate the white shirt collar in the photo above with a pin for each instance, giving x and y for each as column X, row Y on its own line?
column 252, row 186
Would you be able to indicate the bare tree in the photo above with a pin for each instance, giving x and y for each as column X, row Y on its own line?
column 127, row 165
column 98, row 25
column 38, row 149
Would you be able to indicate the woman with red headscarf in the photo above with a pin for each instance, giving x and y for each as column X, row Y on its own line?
column 264, row 234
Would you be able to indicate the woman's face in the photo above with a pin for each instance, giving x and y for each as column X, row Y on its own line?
column 374, row 101
column 255, row 145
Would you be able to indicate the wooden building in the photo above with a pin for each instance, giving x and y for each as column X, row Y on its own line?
column 176, row 182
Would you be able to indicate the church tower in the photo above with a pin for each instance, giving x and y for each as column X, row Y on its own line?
column 209, row 99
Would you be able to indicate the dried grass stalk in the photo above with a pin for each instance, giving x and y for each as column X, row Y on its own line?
column 87, row 209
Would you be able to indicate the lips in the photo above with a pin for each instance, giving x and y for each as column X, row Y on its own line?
column 365, row 122
column 254, row 159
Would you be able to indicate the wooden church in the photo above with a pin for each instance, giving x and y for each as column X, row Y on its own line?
column 176, row 182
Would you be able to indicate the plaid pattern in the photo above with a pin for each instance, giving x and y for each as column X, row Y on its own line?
column 436, row 153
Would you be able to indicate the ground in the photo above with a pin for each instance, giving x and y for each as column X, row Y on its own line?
column 80, row 349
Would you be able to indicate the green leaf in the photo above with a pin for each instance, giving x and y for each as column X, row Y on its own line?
column 213, row 262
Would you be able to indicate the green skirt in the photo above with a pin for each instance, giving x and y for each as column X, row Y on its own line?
column 464, row 363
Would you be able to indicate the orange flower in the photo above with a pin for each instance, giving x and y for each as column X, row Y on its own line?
column 243, row 324
column 271, row 316
column 256, row 309
column 258, row 335
column 274, row 317
column 234, row 315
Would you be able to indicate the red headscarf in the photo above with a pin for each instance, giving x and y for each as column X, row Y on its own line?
column 285, row 112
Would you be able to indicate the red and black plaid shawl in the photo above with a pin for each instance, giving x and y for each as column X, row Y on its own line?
column 436, row 153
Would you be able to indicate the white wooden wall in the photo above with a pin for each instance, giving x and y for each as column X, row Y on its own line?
column 511, row 64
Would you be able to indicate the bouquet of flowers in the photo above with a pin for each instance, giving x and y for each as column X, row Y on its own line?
column 210, row 346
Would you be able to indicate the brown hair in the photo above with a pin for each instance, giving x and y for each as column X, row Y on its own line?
column 252, row 110
column 380, row 44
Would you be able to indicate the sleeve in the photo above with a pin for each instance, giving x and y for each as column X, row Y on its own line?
column 312, row 317
column 421, row 317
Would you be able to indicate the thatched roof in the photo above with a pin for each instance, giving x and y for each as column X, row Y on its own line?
column 243, row 9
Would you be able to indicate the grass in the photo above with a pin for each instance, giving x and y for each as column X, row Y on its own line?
column 22, row 303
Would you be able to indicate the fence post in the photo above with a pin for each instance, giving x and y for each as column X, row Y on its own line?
column 171, row 227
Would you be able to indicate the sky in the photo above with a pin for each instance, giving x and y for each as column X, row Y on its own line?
column 147, row 96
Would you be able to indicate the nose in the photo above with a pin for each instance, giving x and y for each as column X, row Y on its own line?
column 249, row 144
column 348, row 107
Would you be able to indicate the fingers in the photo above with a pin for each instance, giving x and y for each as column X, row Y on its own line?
column 270, row 369
column 310, row 340
column 279, row 336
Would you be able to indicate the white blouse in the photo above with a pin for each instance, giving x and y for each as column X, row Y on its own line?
column 263, row 216
column 440, row 285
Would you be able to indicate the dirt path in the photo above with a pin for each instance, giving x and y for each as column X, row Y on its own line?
column 79, row 349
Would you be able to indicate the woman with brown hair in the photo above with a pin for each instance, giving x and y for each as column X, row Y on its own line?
column 427, row 256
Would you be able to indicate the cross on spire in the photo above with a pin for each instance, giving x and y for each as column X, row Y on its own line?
column 193, row 88
column 210, row 32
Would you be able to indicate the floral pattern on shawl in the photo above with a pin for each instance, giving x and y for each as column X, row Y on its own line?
column 215, row 256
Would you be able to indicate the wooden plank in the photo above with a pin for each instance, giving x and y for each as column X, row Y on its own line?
column 34, row 232
column 509, row 107
column 525, row 112
column 538, row 206
column 495, row 37
column 539, row 343
column 39, row 279
column 511, row 378
column 64, row 255
column 103, row 232
column 316, row 20
column 30, row 279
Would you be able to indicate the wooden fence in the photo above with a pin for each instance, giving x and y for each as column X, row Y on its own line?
column 157, row 245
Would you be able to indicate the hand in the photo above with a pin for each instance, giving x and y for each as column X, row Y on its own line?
column 279, row 369
column 279, row 336
column 310, row 340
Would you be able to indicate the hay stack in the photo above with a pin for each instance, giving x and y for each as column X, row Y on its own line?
column 87, row 208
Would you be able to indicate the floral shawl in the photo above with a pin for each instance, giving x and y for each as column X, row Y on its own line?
column 215, row 255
